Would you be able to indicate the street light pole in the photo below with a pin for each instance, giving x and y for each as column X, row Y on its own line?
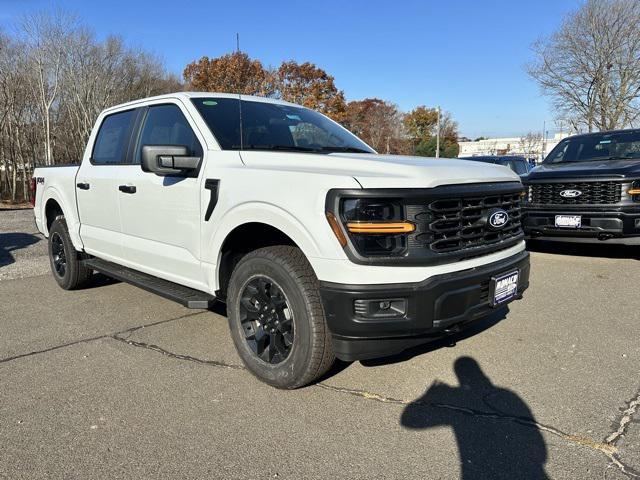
column 438, row 134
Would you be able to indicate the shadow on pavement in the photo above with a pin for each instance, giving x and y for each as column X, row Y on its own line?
column 10, row 242
column 603, row 249
column 484, row 418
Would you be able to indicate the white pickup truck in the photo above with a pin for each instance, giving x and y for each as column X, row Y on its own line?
column 320, row 247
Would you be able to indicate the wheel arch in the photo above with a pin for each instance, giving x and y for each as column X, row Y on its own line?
column 251, row 226
column 54, row 205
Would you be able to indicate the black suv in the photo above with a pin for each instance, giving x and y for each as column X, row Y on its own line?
column 518, row 164
column 586, row 190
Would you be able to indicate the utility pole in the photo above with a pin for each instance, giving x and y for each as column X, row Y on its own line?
column 544, row 140
column 438, row 134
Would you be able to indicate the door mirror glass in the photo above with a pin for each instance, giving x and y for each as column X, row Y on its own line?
column 169, row 160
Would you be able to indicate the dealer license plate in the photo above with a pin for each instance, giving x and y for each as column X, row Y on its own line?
column 568, row 221
column 503, row 288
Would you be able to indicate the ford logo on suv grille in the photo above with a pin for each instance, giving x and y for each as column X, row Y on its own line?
column 498, row 218
column 570, row 193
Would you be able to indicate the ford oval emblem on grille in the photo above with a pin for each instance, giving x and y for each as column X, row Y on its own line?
column 570, row 193
column 498, row 218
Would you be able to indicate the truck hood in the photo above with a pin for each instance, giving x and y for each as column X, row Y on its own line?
column 384, row 171
column 608, row 168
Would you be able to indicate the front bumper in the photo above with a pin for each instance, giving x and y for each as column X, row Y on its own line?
column 613, row 226
column 433, row 308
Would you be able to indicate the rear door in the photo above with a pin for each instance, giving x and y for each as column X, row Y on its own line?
column 97, row 186
column 161, row 215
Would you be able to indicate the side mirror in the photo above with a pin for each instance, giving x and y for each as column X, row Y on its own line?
column 169, row 160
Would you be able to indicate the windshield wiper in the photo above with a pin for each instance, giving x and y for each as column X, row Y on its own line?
column 291, row 148
column 344, row 149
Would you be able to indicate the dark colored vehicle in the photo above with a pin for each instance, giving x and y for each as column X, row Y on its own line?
column 587, row 190
column 518, row 164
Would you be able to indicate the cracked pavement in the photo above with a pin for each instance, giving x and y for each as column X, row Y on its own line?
column 114, row 382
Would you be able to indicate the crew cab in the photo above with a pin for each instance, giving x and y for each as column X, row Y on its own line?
column 587, row 190
column 320, row 247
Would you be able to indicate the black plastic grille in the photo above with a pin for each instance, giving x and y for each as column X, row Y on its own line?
column 592, row 193
column 452, row 225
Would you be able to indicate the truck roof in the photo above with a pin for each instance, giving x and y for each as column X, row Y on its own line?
column 188, row 95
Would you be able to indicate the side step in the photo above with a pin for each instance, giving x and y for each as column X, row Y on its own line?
column 186, row 296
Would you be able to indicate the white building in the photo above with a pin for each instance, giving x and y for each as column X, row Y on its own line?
column 530, row 146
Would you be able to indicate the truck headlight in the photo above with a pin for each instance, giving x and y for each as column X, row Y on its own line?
column 376, row 227
column 634, row 191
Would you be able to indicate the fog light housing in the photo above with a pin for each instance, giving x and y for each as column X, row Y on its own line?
column 380, row 308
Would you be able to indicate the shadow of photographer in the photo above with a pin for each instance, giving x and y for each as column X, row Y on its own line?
column 484, row 418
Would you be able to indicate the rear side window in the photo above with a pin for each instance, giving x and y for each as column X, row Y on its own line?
column 166, row 125
column 112, row 140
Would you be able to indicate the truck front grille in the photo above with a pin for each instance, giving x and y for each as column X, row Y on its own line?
column 591, row 193
column 459, row 224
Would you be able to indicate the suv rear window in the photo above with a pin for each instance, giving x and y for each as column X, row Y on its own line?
column 112, row 140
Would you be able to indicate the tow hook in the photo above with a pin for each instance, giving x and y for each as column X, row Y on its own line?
column 604, row 236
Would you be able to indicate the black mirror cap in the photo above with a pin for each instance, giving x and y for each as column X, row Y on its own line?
column 169, row 160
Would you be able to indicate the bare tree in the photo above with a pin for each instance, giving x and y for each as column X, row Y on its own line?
column 590, row 67
column 45, row 41
column 55, row 78
column 531, row 144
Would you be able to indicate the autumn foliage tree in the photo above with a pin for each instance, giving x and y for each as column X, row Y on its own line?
column 421, row 125
column 308, row 85
column 378, row 123
column 233, row 73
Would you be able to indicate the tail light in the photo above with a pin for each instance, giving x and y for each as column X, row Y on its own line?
column 32, row 197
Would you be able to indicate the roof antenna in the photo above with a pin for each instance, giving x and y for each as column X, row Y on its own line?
column 239, row 97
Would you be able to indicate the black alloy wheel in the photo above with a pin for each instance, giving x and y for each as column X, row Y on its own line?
column 59, row 257
column 267, row 319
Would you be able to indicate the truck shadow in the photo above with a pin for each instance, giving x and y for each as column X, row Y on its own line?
column 495, row 430
column 602, row 250
column 10, row 242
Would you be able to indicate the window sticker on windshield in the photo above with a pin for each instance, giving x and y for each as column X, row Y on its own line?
column 605, row 141
column 293, row 117
column 209, row 102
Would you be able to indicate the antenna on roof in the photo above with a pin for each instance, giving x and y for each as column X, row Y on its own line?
column 238, row 42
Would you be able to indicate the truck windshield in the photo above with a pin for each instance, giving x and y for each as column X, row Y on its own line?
column 594, row 147
column 271, row 126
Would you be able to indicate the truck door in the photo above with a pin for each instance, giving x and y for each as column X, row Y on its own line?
column 161, row 214
column 97, row 186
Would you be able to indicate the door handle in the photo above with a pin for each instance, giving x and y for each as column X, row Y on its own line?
column 127, row 188
column 83, row 186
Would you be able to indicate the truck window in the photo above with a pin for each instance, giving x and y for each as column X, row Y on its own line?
column 166, row 125
column 272, row 126
column 113, row 139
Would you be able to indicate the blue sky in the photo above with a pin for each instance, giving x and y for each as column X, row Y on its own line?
column 467, row 56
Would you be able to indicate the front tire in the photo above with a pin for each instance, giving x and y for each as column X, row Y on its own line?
column 276, row 318
column 66, row 267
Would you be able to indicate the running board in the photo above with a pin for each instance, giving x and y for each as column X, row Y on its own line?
column 186, row 296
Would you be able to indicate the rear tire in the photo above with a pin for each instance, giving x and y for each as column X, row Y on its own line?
column 66, row 266
column 276, row 318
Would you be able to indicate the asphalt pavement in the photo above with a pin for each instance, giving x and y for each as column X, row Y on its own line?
column 114, row 382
